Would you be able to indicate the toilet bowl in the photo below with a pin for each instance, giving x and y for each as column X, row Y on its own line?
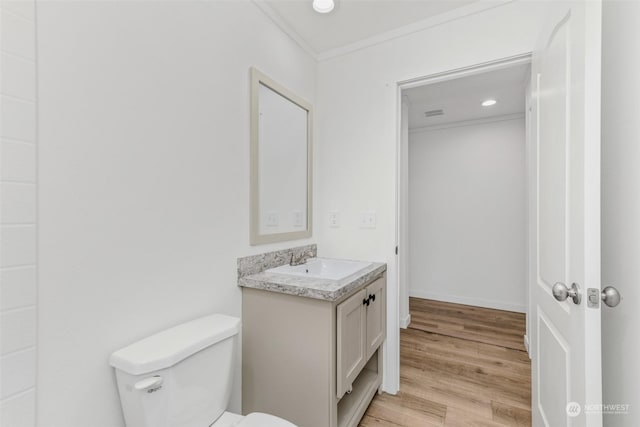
column 182, row 377
column 255, row 419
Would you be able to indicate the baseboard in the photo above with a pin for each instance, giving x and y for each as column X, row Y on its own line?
column 478, row 302
column 526, row 345
column 404, row 323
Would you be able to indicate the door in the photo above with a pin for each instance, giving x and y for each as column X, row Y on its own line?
column 565, row 341
column 351, row 334
column 376, row 319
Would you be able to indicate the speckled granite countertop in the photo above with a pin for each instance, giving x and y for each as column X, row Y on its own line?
column 328, row 290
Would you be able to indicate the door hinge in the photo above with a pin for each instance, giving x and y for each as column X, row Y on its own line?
column 396, row 250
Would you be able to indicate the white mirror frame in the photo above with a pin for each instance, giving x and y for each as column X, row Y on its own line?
column 258, row 78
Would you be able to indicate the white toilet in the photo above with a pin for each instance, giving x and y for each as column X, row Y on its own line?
column 182, row 377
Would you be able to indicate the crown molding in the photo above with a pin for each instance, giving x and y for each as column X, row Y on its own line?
column 443, row 18
column 463, row 123
column 285, row 27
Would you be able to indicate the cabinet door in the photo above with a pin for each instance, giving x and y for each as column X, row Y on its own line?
column 376, row 316
column 351, row 335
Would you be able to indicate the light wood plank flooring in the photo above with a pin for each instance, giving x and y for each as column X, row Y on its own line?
column 459, row 366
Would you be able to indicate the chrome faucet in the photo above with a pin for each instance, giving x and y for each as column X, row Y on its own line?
column 301, row 258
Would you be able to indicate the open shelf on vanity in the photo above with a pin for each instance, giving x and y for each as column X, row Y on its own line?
column 352, row 406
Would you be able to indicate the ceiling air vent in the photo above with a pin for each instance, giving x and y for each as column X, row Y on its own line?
column 433, row 113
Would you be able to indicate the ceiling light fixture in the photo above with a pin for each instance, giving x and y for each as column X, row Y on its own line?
column 323, row 6
column 489, row 103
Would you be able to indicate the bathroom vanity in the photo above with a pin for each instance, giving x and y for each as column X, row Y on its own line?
column 311, row 345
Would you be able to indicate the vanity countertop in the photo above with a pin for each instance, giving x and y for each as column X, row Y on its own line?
column 324, row 289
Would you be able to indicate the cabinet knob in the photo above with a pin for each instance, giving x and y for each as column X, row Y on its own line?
column 368, row 300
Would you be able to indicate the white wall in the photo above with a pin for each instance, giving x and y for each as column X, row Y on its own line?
column 144, row 161
column 467, row 214
column 621, row 207
column 358, row 124
column 18, row 291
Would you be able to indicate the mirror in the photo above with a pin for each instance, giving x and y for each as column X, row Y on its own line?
column 281, row 160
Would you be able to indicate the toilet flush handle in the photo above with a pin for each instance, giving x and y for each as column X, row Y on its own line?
column 150, row 384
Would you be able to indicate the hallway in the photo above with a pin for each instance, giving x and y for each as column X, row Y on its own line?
column 459, row 366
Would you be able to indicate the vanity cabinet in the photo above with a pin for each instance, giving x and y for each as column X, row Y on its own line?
column 314, row 362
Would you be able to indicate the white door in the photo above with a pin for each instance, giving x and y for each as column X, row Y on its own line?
column 565, row 342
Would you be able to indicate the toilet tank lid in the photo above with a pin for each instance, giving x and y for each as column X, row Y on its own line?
column 173, row 345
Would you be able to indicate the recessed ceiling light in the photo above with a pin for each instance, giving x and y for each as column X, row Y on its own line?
column 323, row 6
column 489, row 102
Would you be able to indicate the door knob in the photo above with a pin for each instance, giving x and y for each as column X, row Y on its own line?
column 561, row 292
column 610, row 296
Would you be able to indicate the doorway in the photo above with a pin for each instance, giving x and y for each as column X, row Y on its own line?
column 466, row 190
column 463, row 204
column 462, row 187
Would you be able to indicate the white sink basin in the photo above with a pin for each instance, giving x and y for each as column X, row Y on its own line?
column 322, row 268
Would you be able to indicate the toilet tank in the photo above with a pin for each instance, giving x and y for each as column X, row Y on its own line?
column 180, row 377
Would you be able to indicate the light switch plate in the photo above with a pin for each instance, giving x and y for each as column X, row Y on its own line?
column 368, row 219
column 297, row 218
column 334, row 219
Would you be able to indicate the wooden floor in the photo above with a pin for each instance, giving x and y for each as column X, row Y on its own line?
column 459, row 366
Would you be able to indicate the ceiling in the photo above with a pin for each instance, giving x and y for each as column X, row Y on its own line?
column 355, row 20
column 461, row 98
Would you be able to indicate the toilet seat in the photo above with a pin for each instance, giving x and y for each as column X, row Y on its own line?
column 258, row 419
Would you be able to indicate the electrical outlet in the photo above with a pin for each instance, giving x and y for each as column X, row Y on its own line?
column 368, row 219
column 334, row 219
column 297, row 218
column 272, row 219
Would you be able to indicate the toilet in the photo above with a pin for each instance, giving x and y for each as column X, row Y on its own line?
column 182, row 377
